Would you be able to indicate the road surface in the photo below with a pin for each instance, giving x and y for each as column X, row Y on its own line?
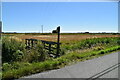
column 101, row 67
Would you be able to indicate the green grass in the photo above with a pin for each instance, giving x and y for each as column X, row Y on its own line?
column 36, row 61
column 55, row 63
column 88, row 43
column 14, row 50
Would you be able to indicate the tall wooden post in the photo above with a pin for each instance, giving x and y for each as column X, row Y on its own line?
column 58, row 40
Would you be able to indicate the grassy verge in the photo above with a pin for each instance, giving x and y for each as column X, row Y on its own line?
column 18, row 61
column 56, row 63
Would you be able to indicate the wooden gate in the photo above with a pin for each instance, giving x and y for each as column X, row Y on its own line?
column 48, row 45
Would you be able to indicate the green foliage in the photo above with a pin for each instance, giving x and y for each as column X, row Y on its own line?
column 18, row 55
column 12, row 49
column 36, row 54
column 118, row 42
column 6, row 66
column 55, row 63
column 36, row 59
column 98, row 48
column 88, row 43
column 102, row 52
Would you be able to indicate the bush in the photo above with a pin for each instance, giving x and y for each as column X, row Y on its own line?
column 36, row 54
column 6, row 66
column 102, row 52
column 118, row 42
column 98, row 48
column 18, row 55
column 12, row 49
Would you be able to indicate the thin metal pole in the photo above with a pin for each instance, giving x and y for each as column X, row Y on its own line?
column 42, row 28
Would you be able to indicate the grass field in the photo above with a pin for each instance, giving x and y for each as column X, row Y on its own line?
column 18, row 61
column 64, row 37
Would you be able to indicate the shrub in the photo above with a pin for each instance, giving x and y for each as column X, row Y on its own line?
column 118, row 42
column 98, row 48
column 12, row 49
column 18, row 55
column 102, row 52
column 36, row 54
column 6, row 66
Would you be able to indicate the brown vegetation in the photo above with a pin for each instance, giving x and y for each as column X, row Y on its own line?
column 63, row 38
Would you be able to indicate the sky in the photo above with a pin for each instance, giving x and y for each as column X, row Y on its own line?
column 70, row 16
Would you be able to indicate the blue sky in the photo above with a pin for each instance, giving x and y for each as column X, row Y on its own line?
column 71, row 16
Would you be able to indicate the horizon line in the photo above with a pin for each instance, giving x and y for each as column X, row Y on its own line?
column 61, row 32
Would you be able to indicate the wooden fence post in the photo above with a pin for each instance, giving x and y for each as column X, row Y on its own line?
column 49, row 48
column 29, row 43
column 32, row 43
column 58, row 45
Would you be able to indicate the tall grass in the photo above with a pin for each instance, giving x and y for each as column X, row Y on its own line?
column 18, row 61
column 55, row 63
column 88, row 43
column 15, row 50
column 12, row 50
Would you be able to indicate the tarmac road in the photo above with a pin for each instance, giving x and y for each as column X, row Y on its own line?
column 101, row 67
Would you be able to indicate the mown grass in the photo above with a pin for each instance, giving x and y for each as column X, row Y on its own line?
column 55, row 63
